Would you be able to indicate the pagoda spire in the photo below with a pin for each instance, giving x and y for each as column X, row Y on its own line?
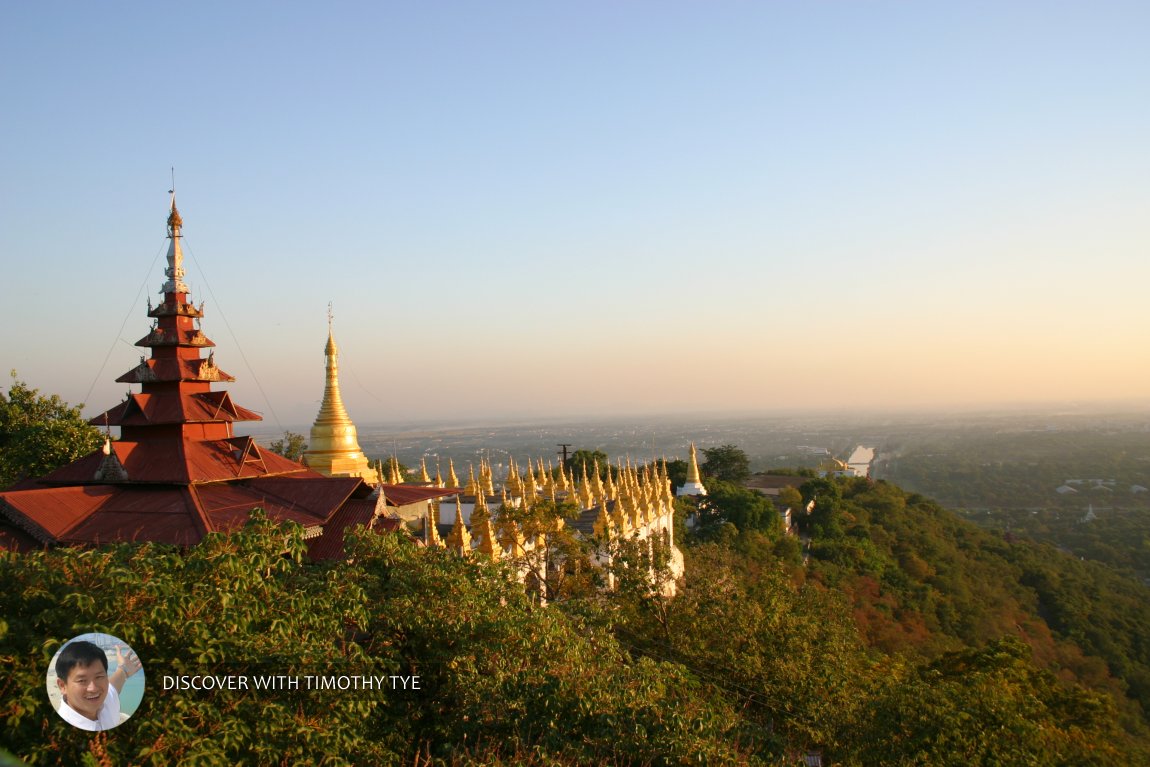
column 175, row 270
column 334, row 448
column 459, row 540
column 694, row 485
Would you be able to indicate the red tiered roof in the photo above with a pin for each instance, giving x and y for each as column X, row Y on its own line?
column 178, row 471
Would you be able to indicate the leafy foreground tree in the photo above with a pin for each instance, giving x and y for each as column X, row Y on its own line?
column 39, row 433
column 501, row 680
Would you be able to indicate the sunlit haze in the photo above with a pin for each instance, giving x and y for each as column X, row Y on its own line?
column 541, row 209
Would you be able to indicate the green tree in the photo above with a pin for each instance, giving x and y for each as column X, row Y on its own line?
column 789, row 657
column 986, row 707
column 40, row 433
column 291, row 446
column 557, row 566
column 677, row 472
column 580, row 458
column 728, row 463
column 740, row 506
column 502, row 681
column 644, row 580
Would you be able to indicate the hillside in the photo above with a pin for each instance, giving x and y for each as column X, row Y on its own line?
column 909, row 636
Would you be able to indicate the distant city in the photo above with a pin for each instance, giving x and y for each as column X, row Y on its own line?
column 771, row 442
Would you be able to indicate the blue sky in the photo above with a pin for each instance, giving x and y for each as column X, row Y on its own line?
column 541, row 208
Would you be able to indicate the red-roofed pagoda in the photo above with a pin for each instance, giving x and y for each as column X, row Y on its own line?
column 178, row 471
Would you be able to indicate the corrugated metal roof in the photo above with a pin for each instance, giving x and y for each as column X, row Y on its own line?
column 171, row 526
column 49, row 513
column 311, row 502
column 176, row 515
column 402, row 495
column 354, row 512
column 176, row 461
column 584, row 524
column 175, row 407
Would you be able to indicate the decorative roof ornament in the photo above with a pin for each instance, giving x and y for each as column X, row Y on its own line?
column 111, row 470
column 175, row 270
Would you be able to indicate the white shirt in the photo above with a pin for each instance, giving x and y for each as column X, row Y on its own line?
column 109, row 713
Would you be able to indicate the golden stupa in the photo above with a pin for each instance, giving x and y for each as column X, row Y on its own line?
column 334, row 448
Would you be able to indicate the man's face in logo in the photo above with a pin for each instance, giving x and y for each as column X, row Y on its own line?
column 86, row 688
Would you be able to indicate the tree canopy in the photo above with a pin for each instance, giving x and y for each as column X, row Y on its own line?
column 728, row 463
column 587, row 458
column 39, row 433
column 905, row 636
column 292, row 445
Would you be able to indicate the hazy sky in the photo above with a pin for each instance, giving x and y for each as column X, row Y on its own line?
column 544, row 208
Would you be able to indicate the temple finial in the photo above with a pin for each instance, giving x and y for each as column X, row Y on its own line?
column 175, row 270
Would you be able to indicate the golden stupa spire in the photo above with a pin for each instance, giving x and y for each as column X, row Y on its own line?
column 438, row 481
column 334, row 448
column 486, row 478
column 694, row 484
column 472, row 487
column 562, row 479
column 604, row 528
column 488, row 545
column 619, row 518
column 512, row 483
column 511, row 536
column 459, row 540
column 693, row 467
column 585, row 499
column 668, row 491
column 597, row 481
column 432, row 538
column 453, row 481
column 480, row 512
column 530, row 490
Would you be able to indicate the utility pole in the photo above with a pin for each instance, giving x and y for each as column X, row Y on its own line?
column 563, row 454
